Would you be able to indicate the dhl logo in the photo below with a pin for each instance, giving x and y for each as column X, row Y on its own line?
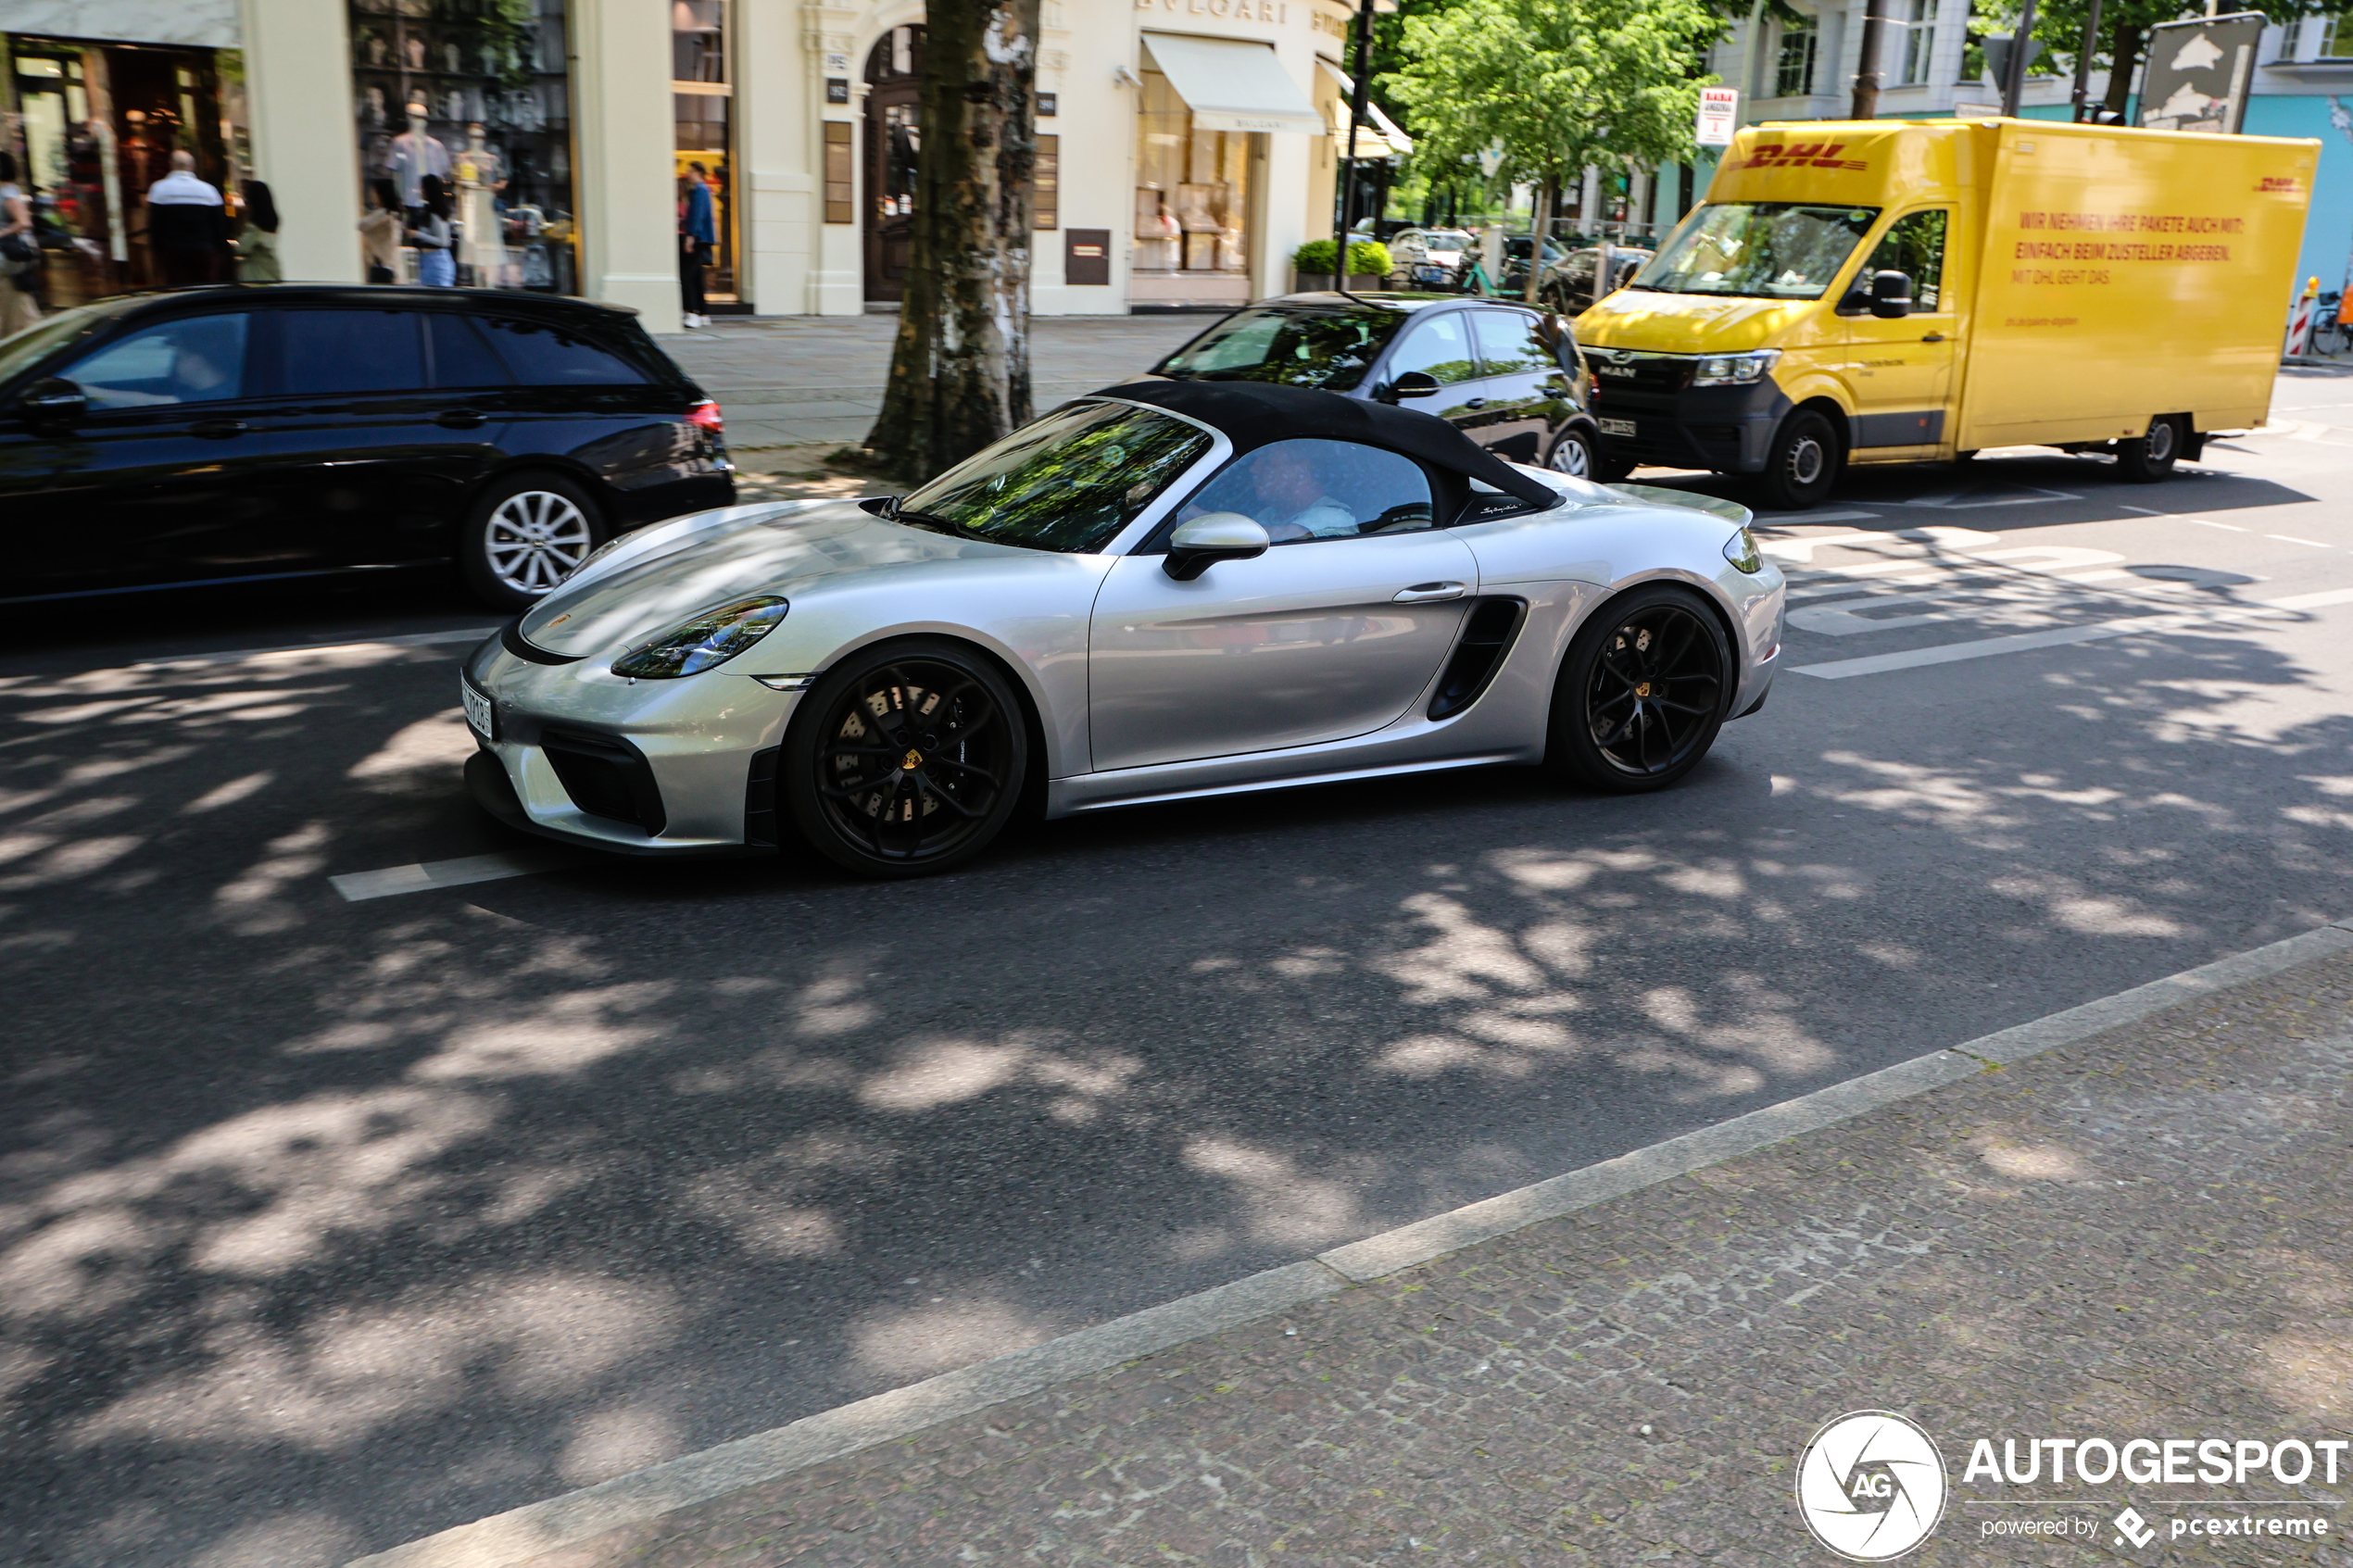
column 1801, row 154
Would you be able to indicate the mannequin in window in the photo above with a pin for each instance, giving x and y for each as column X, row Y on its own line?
column 481, row 245
column 415, row 155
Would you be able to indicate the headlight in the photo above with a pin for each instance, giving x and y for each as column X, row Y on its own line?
column 692, row 647
column 1742, row 551
column 1735, row 369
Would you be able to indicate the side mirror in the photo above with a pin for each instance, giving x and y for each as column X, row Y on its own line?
column 52, row 400
column 1415, row 383
column 1890, row 294
column 1201, row 542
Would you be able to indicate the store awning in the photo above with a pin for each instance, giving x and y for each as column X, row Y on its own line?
column 1233, row 85
column 1380, row 138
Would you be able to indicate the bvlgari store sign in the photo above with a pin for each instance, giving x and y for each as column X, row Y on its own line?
column 1239, row 10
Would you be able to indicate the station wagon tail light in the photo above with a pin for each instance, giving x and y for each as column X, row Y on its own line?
column 1735, row 369
column 706, row 414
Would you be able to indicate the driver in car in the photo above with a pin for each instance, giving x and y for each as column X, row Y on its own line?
column 1292, row 499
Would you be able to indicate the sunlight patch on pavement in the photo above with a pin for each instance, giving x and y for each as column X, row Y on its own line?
column 358, row 886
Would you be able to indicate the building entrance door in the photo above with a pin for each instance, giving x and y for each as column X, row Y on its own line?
column 894, row 135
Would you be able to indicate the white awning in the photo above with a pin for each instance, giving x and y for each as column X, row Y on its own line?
column 1233, row 85
column 1380, row 138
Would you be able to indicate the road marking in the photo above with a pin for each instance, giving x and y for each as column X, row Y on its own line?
column 411, row 640
column 1795, row 520
column 2314, row 601
column 1951, row 499
column 2203, row 524
column 2292, row 539
column 360, row 886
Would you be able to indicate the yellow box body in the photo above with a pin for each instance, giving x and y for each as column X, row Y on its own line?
column 2094, row 277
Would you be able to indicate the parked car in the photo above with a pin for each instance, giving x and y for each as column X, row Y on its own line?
column 1514, row 282
column 1446, row 248
column 1568, row 285
column 1160, row 591
column 210, row 435
column 1508, row 377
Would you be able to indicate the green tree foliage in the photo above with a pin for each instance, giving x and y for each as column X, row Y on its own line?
column 2124, row 36
column 1555, row 85
column 1318, row 257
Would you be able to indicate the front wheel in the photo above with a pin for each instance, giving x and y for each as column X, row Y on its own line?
column 2150, row 458
column 1804, row 463
column 906, row 759
column 1573, row 455
column 525, row 534
column 1642, row 694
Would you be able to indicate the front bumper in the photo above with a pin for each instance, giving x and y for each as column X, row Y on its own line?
column 1726, row 429
column 681, row 767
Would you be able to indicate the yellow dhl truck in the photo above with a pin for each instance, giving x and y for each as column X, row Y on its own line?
column 1908, row 291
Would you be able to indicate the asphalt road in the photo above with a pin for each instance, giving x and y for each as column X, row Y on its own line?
column 328, row 1223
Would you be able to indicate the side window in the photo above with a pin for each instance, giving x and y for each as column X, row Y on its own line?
column 1440, row 346
column 460, row 358
column 542, row 354
column 1914, row 245
column 198, row 359
column 1302, row 490
column 331, row 353
column 1508, row 345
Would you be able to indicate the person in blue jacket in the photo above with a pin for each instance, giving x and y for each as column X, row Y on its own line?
column 697, row 231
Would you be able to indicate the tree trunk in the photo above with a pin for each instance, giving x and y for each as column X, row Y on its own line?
column 1538, row 220
column 959, row 369
column 2123, row 55
column 1866, row 102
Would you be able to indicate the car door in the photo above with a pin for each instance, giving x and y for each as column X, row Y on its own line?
column 1525, row 390
column 1437, row 344
column 152, row 482
column 1900, row 371
column 1333, row 633
column 580, row 397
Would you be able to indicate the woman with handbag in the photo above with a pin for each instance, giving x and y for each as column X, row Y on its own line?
column 19, row 253
column 256, row 248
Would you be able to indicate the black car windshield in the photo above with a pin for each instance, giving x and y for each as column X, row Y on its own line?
column 1331, row 350
column 1068, row 481
column 1763, row 250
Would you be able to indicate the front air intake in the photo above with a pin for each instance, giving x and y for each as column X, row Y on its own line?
column 1488, row 633
column 606, row 778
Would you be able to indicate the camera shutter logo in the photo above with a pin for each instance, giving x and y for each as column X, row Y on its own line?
column 1870, row 1485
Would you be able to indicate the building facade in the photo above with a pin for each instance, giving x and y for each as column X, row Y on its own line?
column 1187, row 147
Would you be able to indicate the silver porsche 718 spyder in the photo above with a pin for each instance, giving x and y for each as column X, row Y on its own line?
column 1162, row 591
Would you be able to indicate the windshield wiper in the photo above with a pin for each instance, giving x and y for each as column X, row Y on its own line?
column 933, row 522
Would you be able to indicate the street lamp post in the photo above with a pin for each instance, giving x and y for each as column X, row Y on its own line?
column 1357, row 99
column 2014, row 78
column 2083, row 63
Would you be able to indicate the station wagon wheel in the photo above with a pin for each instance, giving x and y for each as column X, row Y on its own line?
column 1642, row 694
column 525, row 535
column 1572, row 455
column 906, row 759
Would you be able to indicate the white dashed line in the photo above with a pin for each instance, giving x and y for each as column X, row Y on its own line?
column 360, row 886
column 2292, row 539
column 239, row 656
column 2203, row 524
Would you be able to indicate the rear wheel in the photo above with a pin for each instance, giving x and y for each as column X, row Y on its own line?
column 906, row 759
column 2148, row 459
column 527, row 534
column 1804, row 463
column 1642, row 694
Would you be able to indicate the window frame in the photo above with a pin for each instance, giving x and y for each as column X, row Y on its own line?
column 1405, row 335
column 64, row 358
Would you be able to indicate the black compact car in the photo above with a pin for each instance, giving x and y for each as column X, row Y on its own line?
column 250, row 433
column 1508, row 376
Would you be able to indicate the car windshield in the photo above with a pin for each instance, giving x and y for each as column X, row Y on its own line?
column 35, row 342
column 1067, row 482
column 1331, row 350
column 1762, row 250
column 1445, row 242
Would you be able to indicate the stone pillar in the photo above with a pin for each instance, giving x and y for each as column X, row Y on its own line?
column 298, row 105
column 627, row 191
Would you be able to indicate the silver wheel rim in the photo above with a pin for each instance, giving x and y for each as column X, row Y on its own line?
column 1571, row 457
column 2160, row 440
column 1806, row 460
column 534, row 540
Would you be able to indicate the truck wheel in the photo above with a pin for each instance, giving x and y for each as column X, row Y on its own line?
column 1804, row 463
column 2148, row 459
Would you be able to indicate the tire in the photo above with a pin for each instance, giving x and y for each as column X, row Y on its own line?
column 1642, row 694
column 525, row 534
column 1804, row 464
column 1611, row 467
column 2148, row 459
column 906, row 759
column 1573, row 454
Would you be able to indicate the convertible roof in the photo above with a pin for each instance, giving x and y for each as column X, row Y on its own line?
column 1253, row 414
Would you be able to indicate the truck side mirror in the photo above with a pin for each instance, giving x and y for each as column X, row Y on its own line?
column 1890, row 294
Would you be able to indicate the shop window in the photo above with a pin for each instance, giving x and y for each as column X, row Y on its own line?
column 1794, row 65
column 702, row 99
column 1192, row 196
column 2336, row 37
column 1046, row 188
column 480, row 98
column 841, row 205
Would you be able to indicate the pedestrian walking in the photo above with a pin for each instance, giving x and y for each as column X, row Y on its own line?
column 697, row 231
column 380, row 231
column 428, row 231
column 19, row 253
column 256, row 248
column 184, row 221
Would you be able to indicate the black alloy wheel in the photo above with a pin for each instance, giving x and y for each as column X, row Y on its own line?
column 1804, row 463
column 1642, row 694
column 2148, row 457
column 906, row 759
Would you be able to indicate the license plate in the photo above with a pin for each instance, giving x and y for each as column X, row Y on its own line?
column 1618, row 427
column 480, row 717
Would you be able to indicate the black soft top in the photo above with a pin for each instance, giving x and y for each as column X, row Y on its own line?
column 1254, row 414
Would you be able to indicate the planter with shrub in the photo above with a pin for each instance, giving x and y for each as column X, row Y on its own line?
column 1368, row 264
column 1313, row 266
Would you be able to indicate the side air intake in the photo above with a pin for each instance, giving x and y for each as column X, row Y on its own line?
column 1488, row 633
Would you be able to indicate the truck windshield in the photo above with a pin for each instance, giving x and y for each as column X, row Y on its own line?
column 1763, row 250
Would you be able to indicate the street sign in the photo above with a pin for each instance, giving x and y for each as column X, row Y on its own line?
column 2198, row 71
column 1718, row 108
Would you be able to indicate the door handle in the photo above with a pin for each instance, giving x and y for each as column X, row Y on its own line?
column 1429, row 593
column 1933, row 337
column 459, row 419
column 219, row 429
column 1476, row 403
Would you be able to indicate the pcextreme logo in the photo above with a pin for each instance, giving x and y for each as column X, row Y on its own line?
column 1870, row 1485
column 1801, row 154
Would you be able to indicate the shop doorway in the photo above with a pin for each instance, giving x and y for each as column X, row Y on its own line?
column 894, row 137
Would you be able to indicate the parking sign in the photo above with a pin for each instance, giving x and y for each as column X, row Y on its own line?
column 1719, row 106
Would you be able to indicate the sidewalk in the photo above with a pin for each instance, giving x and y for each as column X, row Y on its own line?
column 2139, row 1230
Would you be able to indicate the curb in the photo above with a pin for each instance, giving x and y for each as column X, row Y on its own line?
column 504, row 1540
